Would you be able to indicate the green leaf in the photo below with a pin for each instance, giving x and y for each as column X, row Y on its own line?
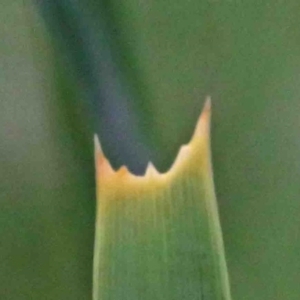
column 158, row 236
column 46, row 168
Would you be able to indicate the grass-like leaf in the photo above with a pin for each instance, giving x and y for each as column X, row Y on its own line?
column 158, row 236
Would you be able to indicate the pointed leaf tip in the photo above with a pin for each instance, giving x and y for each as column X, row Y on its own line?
column 195, row 151
column 102, row 164
column 207, row 104
column 123, row 171
column 203, row 125
column 151, row 170
column 97, row 144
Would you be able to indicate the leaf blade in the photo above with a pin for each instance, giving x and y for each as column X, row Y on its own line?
column 158, row 236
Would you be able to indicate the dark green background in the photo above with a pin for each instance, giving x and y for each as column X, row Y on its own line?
column 61, row 68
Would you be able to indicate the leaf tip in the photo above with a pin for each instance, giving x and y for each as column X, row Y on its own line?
column 192, row 156
column 97, row 145
column 102, row 164
column 203, row 125
column 123, row 171
column 151, row 171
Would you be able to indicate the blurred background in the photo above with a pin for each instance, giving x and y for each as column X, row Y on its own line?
column 137, row 73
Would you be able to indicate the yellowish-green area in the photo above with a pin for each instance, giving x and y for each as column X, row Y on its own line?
column 158, row 236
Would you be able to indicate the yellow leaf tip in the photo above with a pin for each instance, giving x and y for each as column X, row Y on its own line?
column 203, row 125
column 123, row 171
column 103, row 166
column 207, row 104
column 192, row 154
column 151, row 170
column 97, row 144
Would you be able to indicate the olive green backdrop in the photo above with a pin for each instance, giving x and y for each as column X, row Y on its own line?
column 157, row 60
